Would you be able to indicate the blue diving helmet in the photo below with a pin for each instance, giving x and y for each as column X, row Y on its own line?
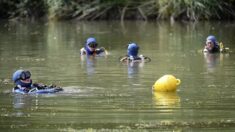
column 212, row 39
column 90, row 43
column 20, row 75
column 132, row 49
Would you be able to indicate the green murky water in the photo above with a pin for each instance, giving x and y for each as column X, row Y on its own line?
column 105, row 95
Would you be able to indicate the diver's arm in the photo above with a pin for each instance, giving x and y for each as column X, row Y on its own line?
column 39, row 85
column 100, row 50
column 83, row 51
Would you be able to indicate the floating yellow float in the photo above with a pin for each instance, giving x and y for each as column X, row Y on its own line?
column 167, row 83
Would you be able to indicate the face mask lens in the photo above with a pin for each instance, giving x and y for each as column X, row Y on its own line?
column 25, row 75
column 92, row 45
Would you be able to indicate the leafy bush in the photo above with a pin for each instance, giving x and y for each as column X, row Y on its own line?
column 118, row 9
column 22, row 8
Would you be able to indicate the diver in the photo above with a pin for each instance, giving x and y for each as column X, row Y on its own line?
column 212, row 45
column 90, row 48
column 132, row 55
column 24, row 83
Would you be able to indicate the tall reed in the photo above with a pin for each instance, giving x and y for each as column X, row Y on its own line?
column 195, row 9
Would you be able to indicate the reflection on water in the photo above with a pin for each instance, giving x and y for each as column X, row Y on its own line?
column 23, row 102
column 89, row 62
column 212, row 61
column 166, row 100
column 133, row 68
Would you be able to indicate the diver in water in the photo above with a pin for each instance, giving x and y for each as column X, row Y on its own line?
column 23, row 81
column 212, row 45
column 90, row 48
column 132, row 54
column 132, row 51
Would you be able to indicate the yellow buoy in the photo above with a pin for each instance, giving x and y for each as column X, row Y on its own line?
column 167, row 83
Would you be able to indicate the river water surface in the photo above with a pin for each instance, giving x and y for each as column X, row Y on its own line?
column 105, row 95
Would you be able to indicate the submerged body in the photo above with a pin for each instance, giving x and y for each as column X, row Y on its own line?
column 98, row 52
column 211, row 45
column 132, row 55
column 138, row 59
column 90, row 48
column 37, row 90
column 24, row 84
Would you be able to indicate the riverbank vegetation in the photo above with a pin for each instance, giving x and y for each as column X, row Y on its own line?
column 192, row 10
